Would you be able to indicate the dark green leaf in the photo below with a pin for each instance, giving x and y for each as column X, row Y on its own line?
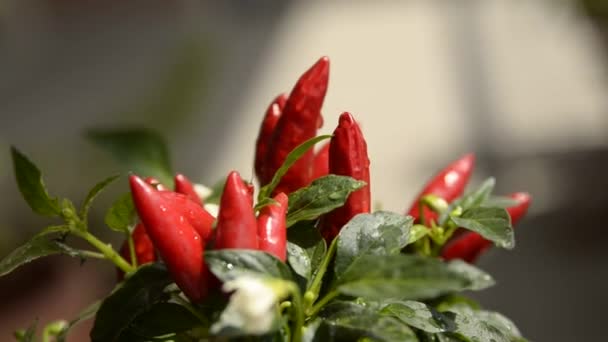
column 300, row 263
column 321, row 196
column 121, row 215
column 142, row 151
column 136, row 295
column 479, row 280
column 31, row 186
column 481, row 326
column 291, row 158
column 399, row 276
column 348, row 321
column 162, row 319
column 419, row 315
column 493, row 224
column 39, row 246
column 471, row 200
column 84, row 211
column 228, row 264
column 380, row 233
column 306, row 236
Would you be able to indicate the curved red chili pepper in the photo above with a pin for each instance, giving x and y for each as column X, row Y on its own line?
column 178, row 243
column 184, row 186
column 348, row 157
column 470, row 245
column 236, row 224
column 144, row 248
column 448, row 184
column 265, row 136
column 320, row 163
column 299, row 122
column 200, row 219
column 272, row 227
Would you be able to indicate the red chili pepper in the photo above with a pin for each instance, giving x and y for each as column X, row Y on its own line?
column 236, row 224
column 348, row 157
column 299, row 122
column 470, row 245
column 272, row 227
column 320, row 163
column 200, row 219
column 448, row 184
column 156, row 184
column 184, row 186
column 178, row 243
column 144, row 249
column 265, row 136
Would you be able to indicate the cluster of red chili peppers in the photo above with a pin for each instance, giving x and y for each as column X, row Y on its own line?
column 176, row 225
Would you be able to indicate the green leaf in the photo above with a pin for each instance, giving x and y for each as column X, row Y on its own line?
column 300, row 263
column 163, row 319
column 399, row 276
column 37, row 247
column 499, row 202
column 86, row 206
column 121, row 215
column 479, row 280
column 137, row 295
column 291, row 158
column 480, row 326
column 31, row 186
column 348, row 321
column 381, row 233
column 84, row 315
column 471, row 200
column 142, row 151
column 228, row 264
column 419, row 316
column 307, row 237
column 321, row 196
column 493, row 224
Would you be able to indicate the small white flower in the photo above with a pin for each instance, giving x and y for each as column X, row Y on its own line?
column 202, row 191
column 212, row 209
column 252, row 305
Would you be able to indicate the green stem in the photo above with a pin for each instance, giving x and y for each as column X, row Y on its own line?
column 297, row 312
column 106, row 250
column 315, row 286
column 131, row 243
column 321, row 303
column 421, row 213
column 91, row 254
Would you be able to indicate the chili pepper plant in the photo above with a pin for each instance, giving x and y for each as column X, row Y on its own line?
column 302, row 257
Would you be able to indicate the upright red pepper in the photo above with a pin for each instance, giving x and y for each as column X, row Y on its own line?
column 178, row 243
column 184, row 186
column 348, row 157
column 200, row 219
column 272, row 227
column 265, row 136
column 299, row 122
column 448, row 184
column 236, row 224
column 320, row 163
column 470, row 245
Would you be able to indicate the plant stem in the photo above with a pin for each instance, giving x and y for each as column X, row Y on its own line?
column 297, row 312
column 91, row 254
column 106, row 250
column 315, row 286
column 131, row 243
column 321, row 303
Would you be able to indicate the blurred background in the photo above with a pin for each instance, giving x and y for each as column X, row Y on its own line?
column 521, row 83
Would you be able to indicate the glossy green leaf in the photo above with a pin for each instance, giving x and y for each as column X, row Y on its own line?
column 31, row 186
column 37, row 247
column 142, row 151
column 471, row 200
column 478, row 279
column 228, row 264
column 381, row 233
column 86, row 206
column 493, row 224
column 499, row 202
column 400, row 276
column 121, row 215
column 321, row 196
column 299, row 261
column 162, row 319
column 481, row 326
column 137, row 295
column 419, row 316
column 348, row 321
column 307, row 237
column 291, row 159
